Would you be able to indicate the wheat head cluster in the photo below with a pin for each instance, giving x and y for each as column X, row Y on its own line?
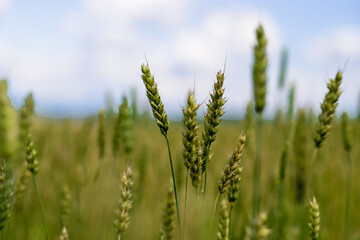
column 200, row 178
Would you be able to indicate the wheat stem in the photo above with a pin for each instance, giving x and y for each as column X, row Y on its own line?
column 41, row 206
column 348, row 195
column 174, row 182
column 213, row 214
column 186, row 195
column 257, row 166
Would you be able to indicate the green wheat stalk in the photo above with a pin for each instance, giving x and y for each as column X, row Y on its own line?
column 33, row 167
column 259, row 87
column 161, row 119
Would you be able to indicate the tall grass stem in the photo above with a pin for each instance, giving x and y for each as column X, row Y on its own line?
column 174, row 182
column 41, row 206
column 257, row 166
column 348, row 195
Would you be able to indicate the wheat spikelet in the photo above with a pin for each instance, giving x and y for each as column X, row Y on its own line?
column 125, row 203
column 224, row 221
column 6, row 196
column 154, row 99
column 314, row 220
column 212, row 118
column 191, row 143
column 31, row 157
column 234, row 187
column 328, row 108
column 126, row 126
column 259, row 70
column 232, row 168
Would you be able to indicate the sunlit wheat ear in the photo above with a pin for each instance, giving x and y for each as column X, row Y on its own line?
column 259, row 230
column 6, row 195
column 64, row 234
column 314, row 220
column 346, row 132
column 232, row 168
column 259, row 70
column 328, row 108
column 154, row 99
column 212, row 118
column 191, row 143
column 125, row 203
column 101, row 133
column 168, row 219
column 224, row 221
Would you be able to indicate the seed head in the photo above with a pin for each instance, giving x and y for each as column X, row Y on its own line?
column 314, row 220
column 259, row 70
column 232, row 168
column 212, row 118
column 328, row 108
column 154, row 99
column 125, row 203
column 31, row 157
column 191, row 152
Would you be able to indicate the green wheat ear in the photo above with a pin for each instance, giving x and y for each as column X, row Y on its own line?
column 154, row 99
column 126, row 127
column 6, row 195
column 191, row 143
column 31, row 157
column 232, row 169
column 328, row 108
column 259, row 70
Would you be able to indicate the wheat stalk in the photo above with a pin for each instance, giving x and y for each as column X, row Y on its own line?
column 33, row 167
column 162, row 121
column 212, row 119
column 259, row 87
column 347, row 143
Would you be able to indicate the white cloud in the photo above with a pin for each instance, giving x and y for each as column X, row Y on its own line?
column 340, row 43
column 111, row 39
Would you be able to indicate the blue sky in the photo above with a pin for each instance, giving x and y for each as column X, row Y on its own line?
column 70, row 53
